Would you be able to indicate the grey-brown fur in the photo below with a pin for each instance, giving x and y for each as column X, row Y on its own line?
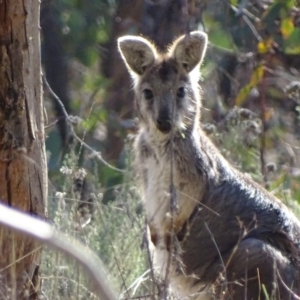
column 227, row 235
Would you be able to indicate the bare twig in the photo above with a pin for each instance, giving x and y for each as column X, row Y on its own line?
column 96, row 154
column 113, row 250
column 173, row 202
column 263, row 133
column 185, row 16
column 51, row 124
column 139, row 297
column 253, row 29
column 244, row 11
column 219, row 253
column 286, row 287
column 82, row 287
column 43, row 232
column 246, row 15
column 150, row 260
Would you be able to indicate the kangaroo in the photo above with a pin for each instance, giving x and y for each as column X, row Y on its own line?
column 215, row 233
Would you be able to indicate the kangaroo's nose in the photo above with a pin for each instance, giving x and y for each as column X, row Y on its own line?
column 163, row 124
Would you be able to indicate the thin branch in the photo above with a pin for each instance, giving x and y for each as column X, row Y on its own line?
column 43, row 232
column 185, row 16
column 173, row 202
column 139, row 297
column 246, row 15
column 50, row 125
column 244, row 11
column 81, row 286
column 253, row 29
column 286, row 287
column 219, row 253
column 20, row 258
column 113, row 250
column 264, row 128
column 150, row 260
column 69, row 122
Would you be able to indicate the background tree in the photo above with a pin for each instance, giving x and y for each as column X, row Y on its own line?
column 23, row 169
column 161, row 21
column 56, row 65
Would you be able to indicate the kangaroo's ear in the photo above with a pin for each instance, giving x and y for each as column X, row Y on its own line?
column 189, row 50
column 137, row 52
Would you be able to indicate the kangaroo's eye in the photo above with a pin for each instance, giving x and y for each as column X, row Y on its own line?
column 148, row 94
column 181, row 92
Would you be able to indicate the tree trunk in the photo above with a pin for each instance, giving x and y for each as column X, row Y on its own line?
column 120, row 97
column 23, row 170
column 56, row 66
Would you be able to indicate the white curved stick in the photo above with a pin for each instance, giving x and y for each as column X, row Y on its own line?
column 44, row 232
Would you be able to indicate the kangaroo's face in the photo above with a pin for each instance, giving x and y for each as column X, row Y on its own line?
column 166, row 85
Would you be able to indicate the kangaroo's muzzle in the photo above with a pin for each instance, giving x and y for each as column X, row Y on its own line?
column 164, row 125
column 164, row 121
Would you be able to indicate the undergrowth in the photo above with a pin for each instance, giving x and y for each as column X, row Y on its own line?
column 117, row 232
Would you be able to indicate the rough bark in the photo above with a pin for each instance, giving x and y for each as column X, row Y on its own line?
column 23, row 167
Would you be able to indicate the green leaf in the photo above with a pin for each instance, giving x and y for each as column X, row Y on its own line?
column 255, row 79
column 257, row 75
column 265, row 291
column 221, row 39
column 217, row 34
column 264, row 46
column 272, row 13
column 287, row 3
column 242, row 95
column 292, row 44
column 287, row 27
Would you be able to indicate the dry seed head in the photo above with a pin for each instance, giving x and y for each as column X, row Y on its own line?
column 80, row 174
column 209, row 128
column 271, row 167
column 246, row 113
column 66, row 170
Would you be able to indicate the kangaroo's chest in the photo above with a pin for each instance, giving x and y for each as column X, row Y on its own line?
column 157, row 190
column 169, row 191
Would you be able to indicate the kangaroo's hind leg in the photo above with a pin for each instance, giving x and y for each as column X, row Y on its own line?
column 257, row 270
